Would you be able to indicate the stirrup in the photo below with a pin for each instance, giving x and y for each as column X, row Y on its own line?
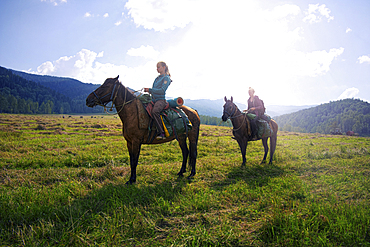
column 161, row 136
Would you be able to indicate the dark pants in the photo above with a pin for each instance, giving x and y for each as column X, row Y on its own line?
column 156, row 114
column 254, row 128
column 254, row 124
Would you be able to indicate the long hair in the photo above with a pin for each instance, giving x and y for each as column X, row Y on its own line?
column 166, row 70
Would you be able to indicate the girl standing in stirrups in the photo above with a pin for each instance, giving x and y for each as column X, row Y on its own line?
column 158, row 92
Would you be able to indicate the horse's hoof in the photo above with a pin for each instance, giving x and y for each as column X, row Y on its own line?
column 191, row 176
column 130, row 182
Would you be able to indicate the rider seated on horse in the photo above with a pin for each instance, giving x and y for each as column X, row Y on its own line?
column 255, row 106
column 158, row 92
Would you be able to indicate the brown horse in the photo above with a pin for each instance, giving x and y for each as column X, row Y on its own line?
column 125, row 104
column 242, row 132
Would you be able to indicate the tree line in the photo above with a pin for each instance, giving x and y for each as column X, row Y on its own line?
column 207, row 120
column 18, row 95
column 345, row 115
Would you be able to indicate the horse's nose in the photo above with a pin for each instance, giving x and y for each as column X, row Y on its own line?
column 90, row 102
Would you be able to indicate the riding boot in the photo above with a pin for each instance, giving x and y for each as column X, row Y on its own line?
column 253, row 136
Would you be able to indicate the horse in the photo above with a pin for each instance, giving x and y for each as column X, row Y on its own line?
column 112, row 90
column 241, row 130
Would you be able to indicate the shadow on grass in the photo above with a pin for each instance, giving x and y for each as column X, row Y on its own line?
column 254, row 175
column 103, row 207
column 134, row 195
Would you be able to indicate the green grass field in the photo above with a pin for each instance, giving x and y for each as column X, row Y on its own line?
column 62, row 183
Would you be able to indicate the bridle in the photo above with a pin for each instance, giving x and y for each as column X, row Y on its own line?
column 231, row 116
column 111, row 95
column 112, row 98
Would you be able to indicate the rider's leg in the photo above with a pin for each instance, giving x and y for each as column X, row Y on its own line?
column 156, row 113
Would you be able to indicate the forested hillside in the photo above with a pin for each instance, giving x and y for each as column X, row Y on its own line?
column 344, row 115
column 208, row 120
column 69, row 87
column 18, row 95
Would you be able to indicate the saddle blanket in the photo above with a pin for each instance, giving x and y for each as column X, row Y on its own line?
column 263, row 127
column 174, row 120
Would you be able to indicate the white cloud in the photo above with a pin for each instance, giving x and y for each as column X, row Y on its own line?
column 84, row 67
column 106, row 15
column 87, row 14
column 161, row 15
column 46, row 68
column 118, row 23
column 349, row 93
column 348, row 30
column 81, row 66
column 248, row 46
column 316, row 12
column 285, row 10
column 55, row 2
column 311, row 64
column 233, row 46
column 143, row 51
column 364, row 59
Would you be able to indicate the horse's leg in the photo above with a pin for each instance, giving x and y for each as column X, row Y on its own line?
column 185, row 154
column 193, row 158
column 243, row 143
column 193, row 148
column 134, row 151
column 273, row 140
column 266, row 148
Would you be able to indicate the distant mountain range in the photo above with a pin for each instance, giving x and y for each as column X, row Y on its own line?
column 77, row 91
column 21, row 92
column 214, row 108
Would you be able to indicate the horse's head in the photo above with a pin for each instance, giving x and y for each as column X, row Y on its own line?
column 103, row 94
column 229, row 109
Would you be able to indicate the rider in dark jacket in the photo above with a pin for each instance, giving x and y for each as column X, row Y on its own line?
column 256, row 107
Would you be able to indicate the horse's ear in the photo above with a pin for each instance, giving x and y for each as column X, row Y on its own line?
column 225, row 99
column 116, row 77
column 231, row 99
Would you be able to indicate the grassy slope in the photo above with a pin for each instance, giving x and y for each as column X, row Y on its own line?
column 62, row 183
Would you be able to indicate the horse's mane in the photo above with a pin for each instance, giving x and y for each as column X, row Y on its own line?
column 128, row 92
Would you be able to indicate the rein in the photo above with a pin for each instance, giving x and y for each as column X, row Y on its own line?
column 245, row 119
column 113, row 98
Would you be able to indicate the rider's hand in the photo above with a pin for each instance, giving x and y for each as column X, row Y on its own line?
column 146, row 90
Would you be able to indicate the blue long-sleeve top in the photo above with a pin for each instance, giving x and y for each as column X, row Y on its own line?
column 159, row 87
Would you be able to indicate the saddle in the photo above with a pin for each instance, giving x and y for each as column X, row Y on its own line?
column 149, row 107
column 264, row 128
column 175, row 121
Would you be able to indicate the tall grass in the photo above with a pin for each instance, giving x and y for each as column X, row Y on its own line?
column 64, row 185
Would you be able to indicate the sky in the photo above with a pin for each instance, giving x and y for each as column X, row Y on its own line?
column 292, row 52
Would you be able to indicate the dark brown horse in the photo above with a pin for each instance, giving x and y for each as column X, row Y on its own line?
column 241, row 131
column 126, row 105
